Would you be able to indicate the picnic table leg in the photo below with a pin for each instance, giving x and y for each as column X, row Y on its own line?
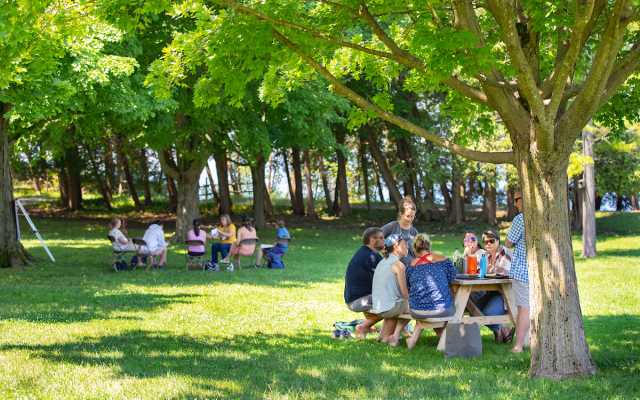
column 507, row 293
column 461, row 300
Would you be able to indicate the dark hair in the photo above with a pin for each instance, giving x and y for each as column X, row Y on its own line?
column 247, row 222
column 405, row 203
column 368, row 233
column 491, row 234
column 389, row 249
column 196, row 226
column 156, row 222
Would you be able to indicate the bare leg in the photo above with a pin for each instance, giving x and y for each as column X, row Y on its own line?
column 258, row 256
column 413, row 340
column 522, row 328
column 163, row 257
column 388, row 327
column 395, row 339
column 364, row 328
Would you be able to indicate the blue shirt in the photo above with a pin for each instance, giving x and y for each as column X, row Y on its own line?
column 283, row 233
column 429, row 285
column 519, row 268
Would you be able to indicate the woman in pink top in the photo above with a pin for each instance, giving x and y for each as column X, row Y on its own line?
column 246, row 231
column 197, row 234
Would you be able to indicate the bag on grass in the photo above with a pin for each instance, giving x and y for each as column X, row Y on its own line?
column 462, row 340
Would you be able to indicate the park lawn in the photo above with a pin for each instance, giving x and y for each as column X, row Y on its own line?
column 75, row 329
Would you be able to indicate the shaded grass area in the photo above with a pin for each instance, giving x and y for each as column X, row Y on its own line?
column 75, row 329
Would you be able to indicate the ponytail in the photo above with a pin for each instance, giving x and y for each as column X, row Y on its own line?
column 196, row 227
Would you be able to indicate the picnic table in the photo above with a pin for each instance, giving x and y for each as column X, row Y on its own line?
column 462, row 289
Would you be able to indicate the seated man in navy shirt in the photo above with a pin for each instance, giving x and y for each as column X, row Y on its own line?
column 359, row 277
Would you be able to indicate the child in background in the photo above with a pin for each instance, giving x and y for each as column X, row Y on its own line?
column 274, row 253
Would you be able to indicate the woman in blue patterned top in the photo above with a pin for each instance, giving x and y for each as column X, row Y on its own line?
column 429, row 278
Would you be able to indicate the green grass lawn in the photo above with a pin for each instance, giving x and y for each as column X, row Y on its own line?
column 76, row 329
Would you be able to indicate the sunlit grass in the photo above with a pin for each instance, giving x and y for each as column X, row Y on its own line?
column 75, row 329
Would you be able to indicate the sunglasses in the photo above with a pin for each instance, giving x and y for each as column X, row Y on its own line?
column 489, row 241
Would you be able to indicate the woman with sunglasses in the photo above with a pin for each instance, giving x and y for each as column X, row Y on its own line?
column 492, row 303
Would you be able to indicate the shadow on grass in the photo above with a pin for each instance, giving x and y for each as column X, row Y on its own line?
column 635, row 253
column 77, row 305
column 311, row 363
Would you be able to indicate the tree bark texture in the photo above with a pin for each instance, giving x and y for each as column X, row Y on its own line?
column 577, row 205
column 73, row 169
column 12, row 254
column 172, row 190
column 259, row 190
column 379, row 185
column 212, row 183
column 223, row 182
column 511, row 204
column 311, row 208
column 490, row 197
column 457, row 196
column 364, row 171
column 341, row 183
column 404, row 155
column 558, row 345
column 383, row 167
column 144, row 174
column 126, row 169
column 186, row 174
column 324, row 177
column 298, row 199
column 588, row 199
column 101, row 181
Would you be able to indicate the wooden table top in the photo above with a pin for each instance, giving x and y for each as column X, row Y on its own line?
column 471, row 282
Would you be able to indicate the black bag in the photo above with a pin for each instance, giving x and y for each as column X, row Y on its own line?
column 122, row 266
column 462, row 340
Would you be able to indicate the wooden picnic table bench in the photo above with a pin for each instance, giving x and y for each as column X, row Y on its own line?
column 462, row 289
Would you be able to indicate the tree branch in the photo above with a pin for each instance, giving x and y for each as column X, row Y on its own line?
column 621, row 72
column 340, row 88
column 168, row 164
column 504, row 13
column 564, row 69
column 593, row 88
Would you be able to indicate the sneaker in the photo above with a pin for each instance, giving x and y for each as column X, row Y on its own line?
column 230, row 268
column 115, row 267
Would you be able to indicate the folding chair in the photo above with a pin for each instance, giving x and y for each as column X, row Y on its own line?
column 195, row 261
column 117, row 256
column 246, row 242
column 150, row 258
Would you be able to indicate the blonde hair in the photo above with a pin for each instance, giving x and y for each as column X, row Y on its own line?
column 422, row 242
column 227, row 218
column 114, row 222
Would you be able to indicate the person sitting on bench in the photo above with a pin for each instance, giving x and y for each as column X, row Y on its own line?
column 156, row 245
column 429, row 277
column 359, row 277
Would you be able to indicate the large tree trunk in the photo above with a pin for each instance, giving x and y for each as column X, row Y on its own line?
column 634, row 201
column 298, row 199
column 12, row 254
column 383, row 167
column 341, row 180
column 558, row 345
column 63, row 185
column 223, row 182
column 404, row 154
column 324, row 177
column 259, row 190
column 364, row 171
column 172, row 190
column 379, row 185
column 446, row 195
column 490, row 206
column 619, row 202
column 144, row 174
column 457, row 199
column 311, row 208
column 588, row 199
column 212, row 183
column 124, row 161
column 511, row 204
column 577, row 202
column 102, row 182
column 186, row 175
